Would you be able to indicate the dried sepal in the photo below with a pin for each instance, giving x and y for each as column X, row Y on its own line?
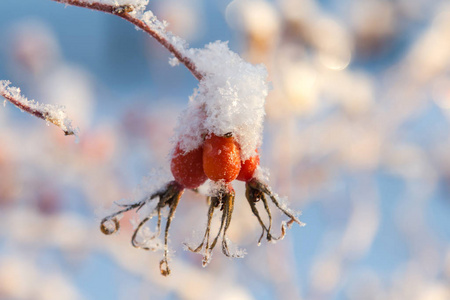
column 225, row 200
column 255, row 191
column 168, row 196
column 109, row 226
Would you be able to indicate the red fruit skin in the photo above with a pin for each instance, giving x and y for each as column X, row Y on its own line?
column 248, row 168
column 221, row 158
column 187, row 168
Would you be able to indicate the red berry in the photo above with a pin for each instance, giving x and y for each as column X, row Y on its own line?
column 248, row 168
column 221, row 158
column 187, row 168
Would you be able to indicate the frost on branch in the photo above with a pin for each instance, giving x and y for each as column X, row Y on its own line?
column 134, row 12
column 138, row 4
column 51, row 113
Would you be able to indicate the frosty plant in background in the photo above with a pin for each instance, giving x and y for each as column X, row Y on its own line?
column 51, row 113
column 217, row 138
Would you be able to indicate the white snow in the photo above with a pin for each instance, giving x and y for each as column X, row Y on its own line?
column 234, row 250
column 137, row 4
column 262, row 174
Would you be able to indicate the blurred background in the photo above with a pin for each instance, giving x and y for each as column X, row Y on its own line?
column 357, row 137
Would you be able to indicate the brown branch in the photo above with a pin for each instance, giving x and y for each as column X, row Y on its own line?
column 40, row 111
column 23, row 107
column 123, row 12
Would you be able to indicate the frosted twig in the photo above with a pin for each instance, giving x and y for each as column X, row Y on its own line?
column 50, row 113
column 139, row 19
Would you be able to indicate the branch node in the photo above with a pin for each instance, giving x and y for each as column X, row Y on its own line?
column 123, row 9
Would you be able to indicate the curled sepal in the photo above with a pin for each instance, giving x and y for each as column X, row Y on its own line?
column 168, row 196
column 164, row 267
column 255, row 191
column 109, row 226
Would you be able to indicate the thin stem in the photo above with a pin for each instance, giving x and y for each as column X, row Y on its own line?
column 138, row 245
column 123, row 12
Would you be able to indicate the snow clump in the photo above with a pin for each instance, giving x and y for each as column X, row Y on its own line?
column 230, row 98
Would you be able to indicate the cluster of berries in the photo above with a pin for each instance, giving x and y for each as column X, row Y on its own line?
column 217, row 159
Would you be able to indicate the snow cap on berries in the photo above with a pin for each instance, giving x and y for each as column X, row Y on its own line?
column 229, row 98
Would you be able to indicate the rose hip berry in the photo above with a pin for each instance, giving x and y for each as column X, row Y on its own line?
column 221, row 158
column 248, row 168
column 187, row 168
